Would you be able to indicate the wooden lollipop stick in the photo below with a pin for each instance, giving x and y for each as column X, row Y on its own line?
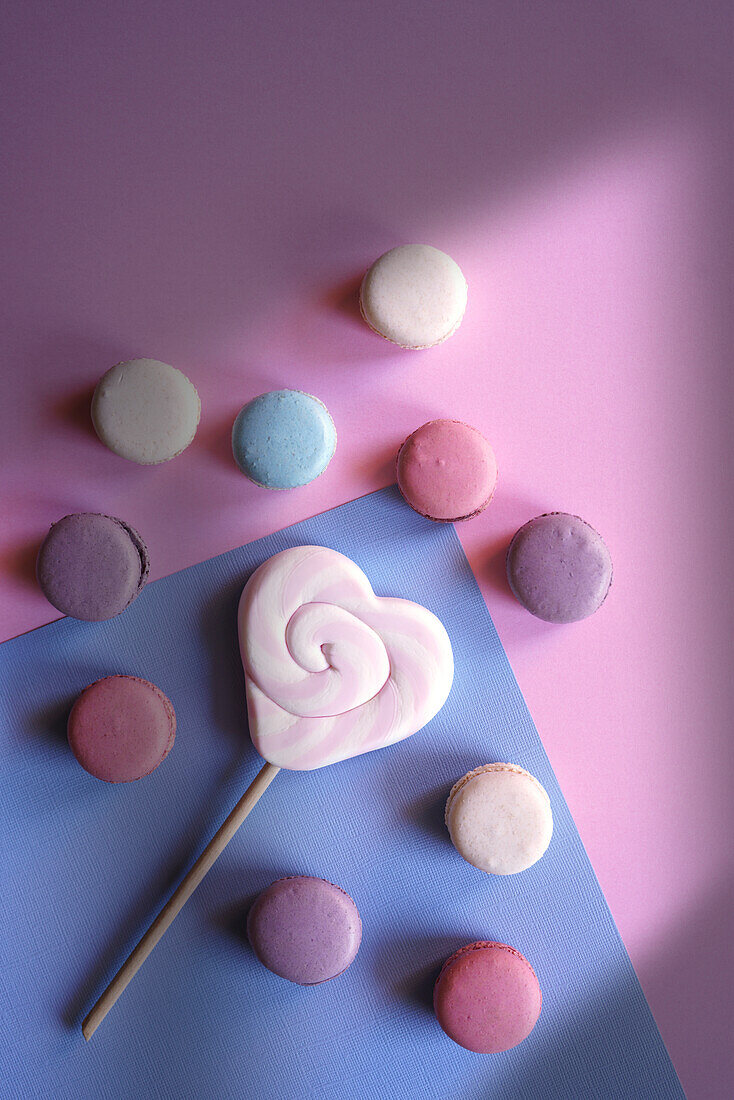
column 180, row 896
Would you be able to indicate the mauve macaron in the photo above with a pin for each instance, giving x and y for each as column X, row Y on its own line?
column 487, row 997
column 92, row 566
column 447, row 471
column 121, row 728
column 304, row 929
column 559, row 568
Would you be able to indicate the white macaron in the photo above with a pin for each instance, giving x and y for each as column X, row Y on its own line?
column 414, row 295
column 499, row 818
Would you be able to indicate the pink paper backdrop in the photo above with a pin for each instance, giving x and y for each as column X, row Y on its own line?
column 205, row 183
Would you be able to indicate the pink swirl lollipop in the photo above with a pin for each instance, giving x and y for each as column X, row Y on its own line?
column 331, row 671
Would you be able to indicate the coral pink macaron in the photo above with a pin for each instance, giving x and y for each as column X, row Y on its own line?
column 447, row 471
column 121, row 728
column 487, row 997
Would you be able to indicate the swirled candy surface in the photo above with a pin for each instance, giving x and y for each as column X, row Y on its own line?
column 331, row 669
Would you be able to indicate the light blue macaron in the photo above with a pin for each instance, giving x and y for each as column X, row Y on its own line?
column 283, row 439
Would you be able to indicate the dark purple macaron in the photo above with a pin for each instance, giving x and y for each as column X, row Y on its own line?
column 304, row 929
column 92, row 566
column 559, row 568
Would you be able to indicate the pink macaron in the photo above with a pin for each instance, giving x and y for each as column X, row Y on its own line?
column 447, row 471
column 121, row 728
column 487, row 997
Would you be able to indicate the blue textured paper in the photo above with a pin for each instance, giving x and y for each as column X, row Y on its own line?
column 87, row 865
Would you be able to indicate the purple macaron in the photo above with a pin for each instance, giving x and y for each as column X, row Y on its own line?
column 92, row 566
column 304, row 929
column 559, row 568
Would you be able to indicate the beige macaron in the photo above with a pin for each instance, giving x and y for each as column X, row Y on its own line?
column 499, row 818
column 145, row 411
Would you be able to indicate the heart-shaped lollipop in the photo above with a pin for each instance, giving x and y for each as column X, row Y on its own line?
column 331, row 671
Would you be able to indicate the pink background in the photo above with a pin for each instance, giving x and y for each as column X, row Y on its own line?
column 205, row 183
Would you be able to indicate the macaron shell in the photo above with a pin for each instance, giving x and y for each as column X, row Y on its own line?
column 499, row 818
column 121, row 728
column 145, row 411
column 447, row 471
column 559, row 568
column 283, row 439
column 414, row 295
column 304, row 929
column 92, row 566
column 487, row 997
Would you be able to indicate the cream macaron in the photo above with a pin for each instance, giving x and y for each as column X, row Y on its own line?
column 499, row 818
column 414, row 295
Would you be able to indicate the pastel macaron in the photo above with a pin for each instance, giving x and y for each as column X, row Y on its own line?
column 121, row 728
column 447, row 471
column 304, row 929
column 559, row 568
column 414, row 295
column 283, row 439
column 499, row 818
column 487, row 997
column 145, row 411
column 92, row 566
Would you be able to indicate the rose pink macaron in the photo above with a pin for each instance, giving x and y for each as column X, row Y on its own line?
column 487, row 997
column 447, row 471
column 121, row 728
